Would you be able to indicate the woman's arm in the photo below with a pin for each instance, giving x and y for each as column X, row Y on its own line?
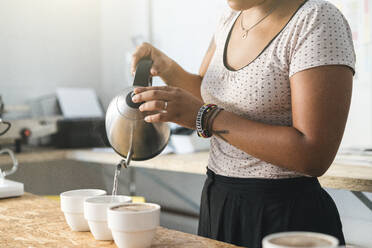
column 320, row 104
column 171, row 72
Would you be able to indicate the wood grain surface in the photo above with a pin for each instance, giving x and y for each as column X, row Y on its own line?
column 34, row 221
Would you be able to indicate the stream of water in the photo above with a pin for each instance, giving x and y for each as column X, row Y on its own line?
column 124, row 164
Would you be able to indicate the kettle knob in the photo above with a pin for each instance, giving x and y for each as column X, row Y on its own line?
column 129, row 101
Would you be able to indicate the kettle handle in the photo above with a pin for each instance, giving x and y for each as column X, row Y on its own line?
column 142, row 77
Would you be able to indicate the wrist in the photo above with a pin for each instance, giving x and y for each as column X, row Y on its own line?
column 212, row 119
column 174, row 75
column 206, row 119
column 171, row 68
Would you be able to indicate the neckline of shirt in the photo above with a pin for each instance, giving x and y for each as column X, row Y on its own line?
column 231, row 26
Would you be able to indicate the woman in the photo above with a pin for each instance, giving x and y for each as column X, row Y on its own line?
column 280, row 73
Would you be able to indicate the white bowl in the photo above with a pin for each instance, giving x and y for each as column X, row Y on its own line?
column 133, row 229
column 95, row 212
column 72, row 205
column 267, row 242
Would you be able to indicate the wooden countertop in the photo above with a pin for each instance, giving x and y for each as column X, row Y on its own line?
column 349, row 176
column 35, row 221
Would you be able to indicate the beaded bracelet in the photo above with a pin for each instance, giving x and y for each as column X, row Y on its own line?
column 200, row 120
column 206, row 115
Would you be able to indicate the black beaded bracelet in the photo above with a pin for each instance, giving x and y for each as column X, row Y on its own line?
column 201, row 129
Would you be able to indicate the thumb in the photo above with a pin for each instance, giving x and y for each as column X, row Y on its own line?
column 154, row 71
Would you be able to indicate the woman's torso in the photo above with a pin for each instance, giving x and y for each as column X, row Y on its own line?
column 260, row 91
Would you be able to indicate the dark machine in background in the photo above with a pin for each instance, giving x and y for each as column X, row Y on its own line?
column 80, row 133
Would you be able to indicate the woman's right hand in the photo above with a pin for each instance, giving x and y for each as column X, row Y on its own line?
column 162, row 64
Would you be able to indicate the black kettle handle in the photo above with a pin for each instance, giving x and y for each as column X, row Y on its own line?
column 143, row 77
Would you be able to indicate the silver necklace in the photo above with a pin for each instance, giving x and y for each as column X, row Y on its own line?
column 246, row 30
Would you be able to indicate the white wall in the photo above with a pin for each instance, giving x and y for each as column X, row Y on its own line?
column 183, row 29
column 121, row 21
column 48, row 43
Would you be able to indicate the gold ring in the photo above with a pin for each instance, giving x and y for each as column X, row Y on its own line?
column 165, row 105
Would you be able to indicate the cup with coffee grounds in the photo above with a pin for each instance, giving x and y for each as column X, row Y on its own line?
column 299, row 240
column 133, row 224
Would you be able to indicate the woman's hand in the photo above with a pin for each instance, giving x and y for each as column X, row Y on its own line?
column 168, row 104
column 162, row 64
column 169, row 71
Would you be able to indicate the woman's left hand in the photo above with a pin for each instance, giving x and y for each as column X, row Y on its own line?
column 168, row 104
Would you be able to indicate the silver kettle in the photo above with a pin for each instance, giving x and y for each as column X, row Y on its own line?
column 129, row 135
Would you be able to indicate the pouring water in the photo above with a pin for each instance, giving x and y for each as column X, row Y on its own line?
column 123, row 163
column 116, row 178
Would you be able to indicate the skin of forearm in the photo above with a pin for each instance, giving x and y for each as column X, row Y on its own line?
column 284, row 146
column 176, row 76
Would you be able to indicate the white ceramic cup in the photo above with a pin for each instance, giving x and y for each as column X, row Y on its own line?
column 133, row 229
column 95, row 212
column 299, row 239
column 72, row 205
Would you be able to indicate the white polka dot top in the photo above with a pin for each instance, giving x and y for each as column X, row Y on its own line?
column 317, row 34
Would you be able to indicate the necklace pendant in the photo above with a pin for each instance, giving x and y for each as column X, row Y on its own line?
column 244, row 36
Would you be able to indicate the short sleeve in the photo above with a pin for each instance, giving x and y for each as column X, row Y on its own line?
column 322, row 37
column 225, row 18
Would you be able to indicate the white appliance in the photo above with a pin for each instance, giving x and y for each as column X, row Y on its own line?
column 10, row 188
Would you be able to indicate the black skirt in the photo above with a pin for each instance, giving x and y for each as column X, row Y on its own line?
column 242, row 211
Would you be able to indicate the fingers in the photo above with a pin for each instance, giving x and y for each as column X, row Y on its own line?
column 143, row 50
column 150, row 95
column 154, row 71
column 138, row 90
column 146, row 50
column 159, row 117
column 160, row 61
column 153, row 106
